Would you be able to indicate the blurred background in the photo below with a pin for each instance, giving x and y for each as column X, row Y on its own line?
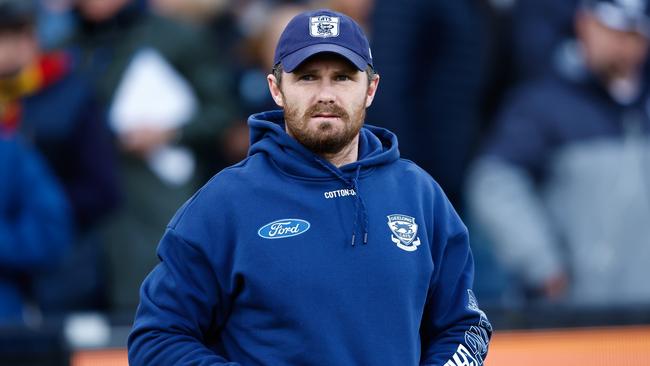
column 534, row 117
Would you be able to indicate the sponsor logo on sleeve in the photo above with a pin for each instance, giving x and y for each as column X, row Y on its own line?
column 477, row 338
column 462, row 357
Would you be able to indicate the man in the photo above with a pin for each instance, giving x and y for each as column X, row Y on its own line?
column 322, row 247
column 562, row 188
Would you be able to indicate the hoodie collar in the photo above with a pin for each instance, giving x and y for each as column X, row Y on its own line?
column 377, row 146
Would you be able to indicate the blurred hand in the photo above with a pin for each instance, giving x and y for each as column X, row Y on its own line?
column 555, row 287
column 235, row 142
column 143, row 141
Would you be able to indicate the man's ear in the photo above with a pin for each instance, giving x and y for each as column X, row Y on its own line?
column 274, row 88
column 372, row 89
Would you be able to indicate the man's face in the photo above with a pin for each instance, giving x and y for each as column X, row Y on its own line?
column 18, row 48
column 100, row 10
column 611, row 53
column 324, row 102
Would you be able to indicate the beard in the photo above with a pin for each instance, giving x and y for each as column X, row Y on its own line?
column 326, row 139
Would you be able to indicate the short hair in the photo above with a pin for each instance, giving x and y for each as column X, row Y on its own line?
column 277, row 72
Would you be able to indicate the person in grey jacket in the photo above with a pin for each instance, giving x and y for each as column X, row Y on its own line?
column 562, row 189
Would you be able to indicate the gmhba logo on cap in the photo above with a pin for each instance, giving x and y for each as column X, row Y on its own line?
column 324, row 26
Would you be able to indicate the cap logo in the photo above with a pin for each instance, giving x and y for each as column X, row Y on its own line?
column 324, row 26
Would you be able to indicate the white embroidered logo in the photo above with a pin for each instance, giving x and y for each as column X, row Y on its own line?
column 285, row 228
column 477, row 338
column 404, row 231
column 324, row 26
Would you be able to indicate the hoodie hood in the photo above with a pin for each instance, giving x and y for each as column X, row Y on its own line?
column 377, row 146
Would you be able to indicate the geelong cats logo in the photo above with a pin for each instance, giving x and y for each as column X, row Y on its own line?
column 404, row 231
column 324, row 26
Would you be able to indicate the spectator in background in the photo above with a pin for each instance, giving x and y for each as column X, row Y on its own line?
column 256, row 57
column 35, row 224
column 142, row 64
column 193, row 11
column 436, row 113
column 524, row 39
column 46, row 100
column 540, row 29
column 563, row 187
column 359, row 10
column 217, row 18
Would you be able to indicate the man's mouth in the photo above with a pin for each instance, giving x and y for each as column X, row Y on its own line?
column 325, row 115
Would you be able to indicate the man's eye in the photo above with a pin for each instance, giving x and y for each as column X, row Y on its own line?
column 307, row 77
column 342, row 77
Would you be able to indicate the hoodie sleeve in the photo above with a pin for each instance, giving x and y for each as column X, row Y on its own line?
column 180, row 306
column 454, row 330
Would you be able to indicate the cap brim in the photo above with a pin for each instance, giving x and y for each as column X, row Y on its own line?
column 293, row 60
column 615, row 18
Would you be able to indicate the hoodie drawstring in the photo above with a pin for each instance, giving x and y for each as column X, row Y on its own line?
column 359, row 199
column 359, row 204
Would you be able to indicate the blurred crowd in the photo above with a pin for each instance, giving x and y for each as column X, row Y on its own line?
column 534, row 116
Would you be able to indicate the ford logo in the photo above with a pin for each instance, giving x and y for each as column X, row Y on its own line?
column 283, row 228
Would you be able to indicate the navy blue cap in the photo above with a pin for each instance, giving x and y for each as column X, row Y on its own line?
column 319, row 31
column 623, row 15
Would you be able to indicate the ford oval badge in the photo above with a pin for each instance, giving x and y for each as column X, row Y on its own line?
column 284, row 228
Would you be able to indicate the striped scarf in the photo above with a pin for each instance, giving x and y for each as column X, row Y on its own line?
column 47, row 69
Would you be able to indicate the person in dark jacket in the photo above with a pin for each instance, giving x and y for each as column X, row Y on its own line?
column 322, row 247
column 44, row 98
column 539, row 33
column 162, row 159
column 562, row 188
column 436, row 111
column 35, row 224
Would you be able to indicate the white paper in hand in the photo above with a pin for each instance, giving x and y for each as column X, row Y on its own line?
column 153, row 94
column 174, row 165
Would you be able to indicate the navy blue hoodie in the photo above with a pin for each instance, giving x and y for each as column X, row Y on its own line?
column 285, row 259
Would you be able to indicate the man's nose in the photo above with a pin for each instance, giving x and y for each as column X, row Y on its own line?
column 326, row 93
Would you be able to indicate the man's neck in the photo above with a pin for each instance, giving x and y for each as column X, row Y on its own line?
column 347, row 155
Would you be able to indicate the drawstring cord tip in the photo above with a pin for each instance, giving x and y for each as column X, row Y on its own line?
column 365, row 238
column 353, row 236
